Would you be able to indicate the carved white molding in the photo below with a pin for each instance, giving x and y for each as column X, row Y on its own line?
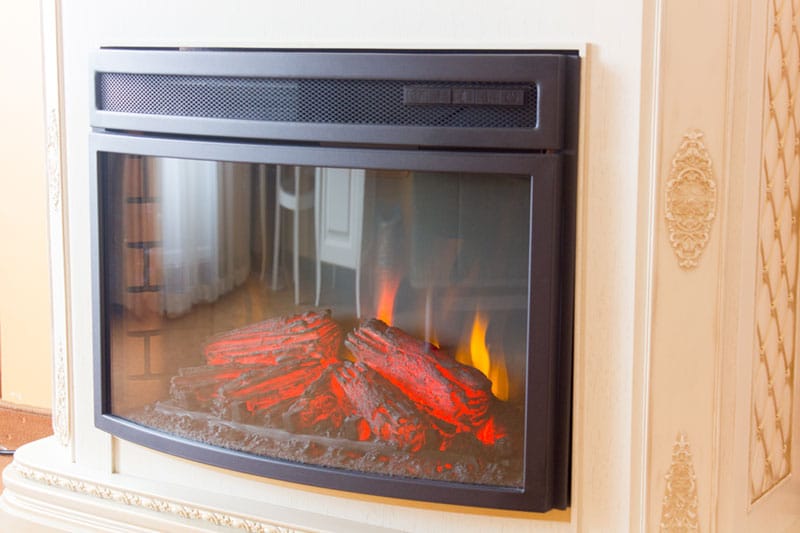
column 679, row 507
column 53, row 160
column 691, row 200
column 60, row 408
column 54, row 156
column 152, row 503
column 61, row 425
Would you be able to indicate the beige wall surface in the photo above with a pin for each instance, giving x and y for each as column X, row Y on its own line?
column 24, row 275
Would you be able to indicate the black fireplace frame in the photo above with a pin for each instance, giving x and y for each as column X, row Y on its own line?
column 546, row 151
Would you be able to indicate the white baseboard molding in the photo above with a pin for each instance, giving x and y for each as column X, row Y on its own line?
column 44, row 491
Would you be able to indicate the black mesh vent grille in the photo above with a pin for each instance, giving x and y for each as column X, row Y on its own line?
column 329, row 101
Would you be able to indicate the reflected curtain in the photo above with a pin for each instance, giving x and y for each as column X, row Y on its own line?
column 205, row 213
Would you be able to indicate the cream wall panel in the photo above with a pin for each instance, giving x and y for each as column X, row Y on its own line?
column 744, row 307
column 706, row 315
column 765, row 495
column 691, row 174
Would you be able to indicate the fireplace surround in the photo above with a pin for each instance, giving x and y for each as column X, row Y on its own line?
column 432, row 210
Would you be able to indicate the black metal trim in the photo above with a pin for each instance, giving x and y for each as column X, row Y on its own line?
column 569, row 190
column 332, row 156
column 545, row 243
column 545, row 70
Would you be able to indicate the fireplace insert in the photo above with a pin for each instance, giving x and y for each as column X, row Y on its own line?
column 349, row 269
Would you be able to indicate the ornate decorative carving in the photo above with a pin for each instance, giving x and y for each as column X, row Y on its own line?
column 679, row 508
column 51, row 46
column 61, row 428
column 774, row 353
column 691, row 200
column 160, row 505
column 53, row 160
column 61, row 425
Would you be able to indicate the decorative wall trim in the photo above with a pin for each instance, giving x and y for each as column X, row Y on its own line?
column 60, row 387
column 691, row 200
column 775, row 350
column 679, row 508
column 53, row 159
column 60, row 396
column 51, row 43
column 151, row 503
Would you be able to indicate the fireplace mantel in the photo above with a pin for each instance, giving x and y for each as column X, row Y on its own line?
column 672, row 101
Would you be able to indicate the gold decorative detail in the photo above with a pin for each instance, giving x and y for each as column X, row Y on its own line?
column 679, row 507
column 691, row 200
column 777, row 253
column 151, row 503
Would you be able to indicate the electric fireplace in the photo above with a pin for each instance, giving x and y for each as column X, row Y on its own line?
column 349, row 269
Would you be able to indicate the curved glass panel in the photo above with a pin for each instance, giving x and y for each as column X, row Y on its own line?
column 368, row 320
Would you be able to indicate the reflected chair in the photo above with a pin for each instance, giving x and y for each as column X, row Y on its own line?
column 295, row 201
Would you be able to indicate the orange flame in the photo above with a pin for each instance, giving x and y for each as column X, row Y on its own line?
column 491, row 363
column 387, row 292
column 478, row 350
column 498, row 375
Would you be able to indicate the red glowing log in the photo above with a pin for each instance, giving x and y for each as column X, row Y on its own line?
column 351, row 400
column 286, row 372
column 391, row 416
column 321, row 410
column 457, row 396
column 262, row 388
column 196, row 387
column 313, row 333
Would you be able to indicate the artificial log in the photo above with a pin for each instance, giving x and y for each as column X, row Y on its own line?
column 457, row 396
column 286, row 372
column 257, row 391
column 321, row 410
column 390, row 416
column 194, row 388
column 314, row 333
column 353, row 401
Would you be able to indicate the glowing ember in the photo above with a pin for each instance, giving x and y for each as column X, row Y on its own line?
column 491, row 432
